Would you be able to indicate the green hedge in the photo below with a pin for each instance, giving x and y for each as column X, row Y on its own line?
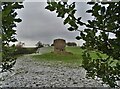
column 25, row 51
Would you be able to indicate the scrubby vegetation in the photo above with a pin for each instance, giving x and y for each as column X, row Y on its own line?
column 24, row 50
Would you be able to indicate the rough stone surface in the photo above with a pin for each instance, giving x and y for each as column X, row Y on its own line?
column 59, row 45
column 29, row 73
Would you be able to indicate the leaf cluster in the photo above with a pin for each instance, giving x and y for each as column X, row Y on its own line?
column 96, row 36
column 9, row 21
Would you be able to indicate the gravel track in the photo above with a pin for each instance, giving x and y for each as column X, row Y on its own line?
column 29, row 73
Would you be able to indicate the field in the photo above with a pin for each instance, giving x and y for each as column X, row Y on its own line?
column 73, row 59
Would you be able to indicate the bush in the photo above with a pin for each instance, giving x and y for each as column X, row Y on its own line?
column 25, row 51
column 71, row 44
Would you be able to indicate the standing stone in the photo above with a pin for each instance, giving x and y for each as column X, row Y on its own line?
column 59, row 45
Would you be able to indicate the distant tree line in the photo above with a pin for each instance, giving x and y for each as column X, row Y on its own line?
column 40, row 44
column 68, row 44
column 23, row 50
column 71, row 44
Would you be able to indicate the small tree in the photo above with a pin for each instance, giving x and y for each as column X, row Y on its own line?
column 20, row 45
column 39, row 44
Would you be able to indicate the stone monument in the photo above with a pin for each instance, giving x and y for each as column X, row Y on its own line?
column 59, row 45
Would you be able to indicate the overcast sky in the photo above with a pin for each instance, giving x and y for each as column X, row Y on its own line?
column 39, row 24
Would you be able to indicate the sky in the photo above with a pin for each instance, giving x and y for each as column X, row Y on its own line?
column 39, row 24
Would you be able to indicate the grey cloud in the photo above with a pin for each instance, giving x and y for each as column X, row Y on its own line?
column 81, row 11
column 40, row 24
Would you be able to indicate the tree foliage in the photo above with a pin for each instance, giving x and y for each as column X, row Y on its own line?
column 39, row 44
column 20, row 45
column 9, row 21
column 71, row 44
column 96, row 36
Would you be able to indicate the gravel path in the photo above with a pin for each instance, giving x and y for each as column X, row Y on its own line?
column 29, row 73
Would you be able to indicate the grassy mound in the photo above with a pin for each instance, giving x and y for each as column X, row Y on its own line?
column 74, row 58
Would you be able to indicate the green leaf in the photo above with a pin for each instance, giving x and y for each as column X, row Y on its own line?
column 91, row 3
column 89, row 21
column 71, row 29
column 103, row 10
column 61, row 14
column 73, row 12
column 65, row 3
column 78, row 37
column 54, row 4
column 72, row 6
column 14, row 14
column 6, row 11
column 72, row 23
column 80, row 23
column 13, row 40
column 50, row 8
column 48, row 2
column 89, row 11
column 17, row 6
column 82, row 34
column 17, row 20
column 79, row 18
column 104, row 3
column 66, row 20
column 96, row 9
column 87, row 30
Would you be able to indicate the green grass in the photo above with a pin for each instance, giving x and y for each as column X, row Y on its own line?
column 73, row 59
column 74, row 50
column 59, row 57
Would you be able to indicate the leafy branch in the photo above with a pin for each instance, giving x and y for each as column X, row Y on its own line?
column 96, row 36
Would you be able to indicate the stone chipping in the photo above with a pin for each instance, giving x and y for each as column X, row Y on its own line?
column 29, row 73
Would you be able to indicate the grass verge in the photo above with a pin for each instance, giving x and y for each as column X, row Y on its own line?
column 66, row 59
column 74, row 59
